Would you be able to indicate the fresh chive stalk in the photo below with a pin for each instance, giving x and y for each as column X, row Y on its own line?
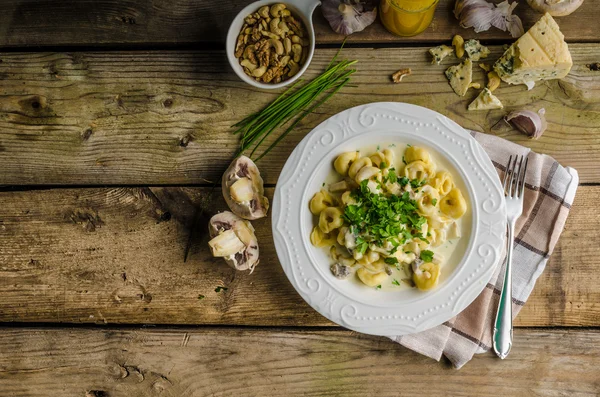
column 292, row 106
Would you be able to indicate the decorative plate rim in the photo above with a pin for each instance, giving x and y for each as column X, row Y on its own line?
column 488, row 219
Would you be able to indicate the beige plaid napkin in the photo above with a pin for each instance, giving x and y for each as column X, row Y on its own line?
column 550, row 190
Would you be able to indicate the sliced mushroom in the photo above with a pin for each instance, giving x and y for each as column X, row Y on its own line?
column 233, row 239
column 243, row 189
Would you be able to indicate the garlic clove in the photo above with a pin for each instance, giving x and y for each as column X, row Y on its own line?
column 346, row 17
column 530, row 123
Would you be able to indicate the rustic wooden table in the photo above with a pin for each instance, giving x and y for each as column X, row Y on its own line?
column 114, row 121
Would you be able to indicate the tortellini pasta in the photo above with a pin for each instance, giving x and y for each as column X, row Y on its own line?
column 371, row 279
column 372, row 238
column 358, row 165
column 343, row 161
column 320, row 239
column 415, row 153
column 320, row 201
column 453, row 204
column 443, row 182
column 427, row 200
column 330, row 219
column 418, row 170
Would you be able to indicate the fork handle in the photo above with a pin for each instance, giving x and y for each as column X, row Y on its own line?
column 503, row 328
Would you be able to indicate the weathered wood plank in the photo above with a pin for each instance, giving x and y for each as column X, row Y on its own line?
column 116, row 256
column 149, row 118
column 259, row 362
column 135, row 22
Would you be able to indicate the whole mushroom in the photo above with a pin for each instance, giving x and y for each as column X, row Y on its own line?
column 556, row 8
column 243, row 189
column 233, row 239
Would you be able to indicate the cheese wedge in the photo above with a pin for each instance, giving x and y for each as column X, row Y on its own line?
column 540, row 54
column 485, row 101
column 460, row 76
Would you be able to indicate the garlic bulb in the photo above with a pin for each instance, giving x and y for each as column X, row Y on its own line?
column 530, row 123
column 481, row 15
column 348, row 16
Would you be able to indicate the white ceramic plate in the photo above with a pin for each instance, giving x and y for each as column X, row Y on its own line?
column 385, row 312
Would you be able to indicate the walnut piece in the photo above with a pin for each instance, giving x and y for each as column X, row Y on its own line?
column 397, row 77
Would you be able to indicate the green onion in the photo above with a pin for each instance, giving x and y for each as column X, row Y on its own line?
column 292, row 106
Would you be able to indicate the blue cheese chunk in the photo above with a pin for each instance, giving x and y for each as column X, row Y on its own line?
column 540, row 54
column 475, row 51
column 485, row 101
column 460, row 76
column 439, row 53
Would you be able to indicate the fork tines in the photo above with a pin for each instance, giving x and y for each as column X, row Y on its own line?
column 514, row 176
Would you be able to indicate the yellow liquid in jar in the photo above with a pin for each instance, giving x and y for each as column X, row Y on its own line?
column 407, row 17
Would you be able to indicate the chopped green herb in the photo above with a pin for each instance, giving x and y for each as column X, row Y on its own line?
column 378, row 147
column 403, row 181
column 408, row 252
column 391, row 176
column 383, row 164
column 415, row 183
column 391, row 260
column 395, row 282
column 200, row 297
column 219, row 289
column 323, row 184
column 427, row 255
column 379, row 219
column 408, row 145
column 392, row 145
column 404, row 160
column 378, row 287
column 434, row 202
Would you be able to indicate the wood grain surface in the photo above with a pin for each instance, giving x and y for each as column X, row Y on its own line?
column 116, row 256
column 171, row 23
column 268, row 362
column 164, row 117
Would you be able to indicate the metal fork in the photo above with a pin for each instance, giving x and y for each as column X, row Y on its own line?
column 514, row 187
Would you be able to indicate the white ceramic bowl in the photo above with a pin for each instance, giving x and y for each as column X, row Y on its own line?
column 407, row 310
column 299, row 8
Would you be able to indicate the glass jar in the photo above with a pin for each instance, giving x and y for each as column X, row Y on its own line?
column 407, row 17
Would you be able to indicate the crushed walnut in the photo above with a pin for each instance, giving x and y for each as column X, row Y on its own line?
column 399, row 75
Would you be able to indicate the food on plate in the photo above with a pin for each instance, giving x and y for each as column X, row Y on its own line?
column 272, row 45
column 485, row 101
column 475, row 51
column 233, row 239
column 391, row 219
column 540, row 54
column 349, row 16
column 481, row 15
column 439, row 53
column 459, row 46
column 556, row 8
column 529, row 123
column 243, row 189
column 460, row 77
column 399, row 75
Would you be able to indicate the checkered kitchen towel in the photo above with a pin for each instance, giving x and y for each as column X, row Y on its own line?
column 550, row 190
